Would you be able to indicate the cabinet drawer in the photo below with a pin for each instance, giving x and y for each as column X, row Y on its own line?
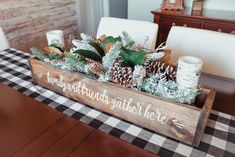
column 220, row 27
column 167, row 23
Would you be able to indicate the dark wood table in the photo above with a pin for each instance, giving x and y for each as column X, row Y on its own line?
column 30, row 129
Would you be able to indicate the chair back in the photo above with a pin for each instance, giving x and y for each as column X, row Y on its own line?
column 142, row 32
column 216, row 49
column 3, row 41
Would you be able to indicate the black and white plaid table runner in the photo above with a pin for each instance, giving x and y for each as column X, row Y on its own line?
column 218, row 139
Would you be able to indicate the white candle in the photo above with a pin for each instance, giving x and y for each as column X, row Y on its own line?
column 55, row 37
column 172, row 1
column 188, row 71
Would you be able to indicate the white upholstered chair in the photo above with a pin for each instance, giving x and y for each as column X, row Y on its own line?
column 216, row 49
column 3, row 41
column 138, row 30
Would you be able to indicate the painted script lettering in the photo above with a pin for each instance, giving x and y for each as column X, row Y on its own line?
column 116, row 103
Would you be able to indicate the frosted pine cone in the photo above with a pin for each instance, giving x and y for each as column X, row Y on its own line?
column 96, row 68
column 138, row 76
column 153, row 67
column 154, row 56
column 121, row 75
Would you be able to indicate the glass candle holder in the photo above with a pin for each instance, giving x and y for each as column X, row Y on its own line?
column 56, row 37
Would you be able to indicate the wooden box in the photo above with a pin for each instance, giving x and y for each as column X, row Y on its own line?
column 179, row 121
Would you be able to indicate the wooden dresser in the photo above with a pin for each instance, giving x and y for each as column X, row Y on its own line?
column 222, row 21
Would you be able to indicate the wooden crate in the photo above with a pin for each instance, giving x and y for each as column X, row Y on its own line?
column 179, row 121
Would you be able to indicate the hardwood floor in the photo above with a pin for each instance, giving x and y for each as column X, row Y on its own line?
column 30, row 129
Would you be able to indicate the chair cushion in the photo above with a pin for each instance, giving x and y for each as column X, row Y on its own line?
column 138, row 30
column 3, row 41
column 216, row 49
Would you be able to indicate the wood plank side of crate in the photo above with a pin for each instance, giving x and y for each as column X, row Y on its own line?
column 178, row 121
column 205, row 112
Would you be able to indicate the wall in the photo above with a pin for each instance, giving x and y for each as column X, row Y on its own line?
column 118, row 8
column 25, row 22
column 216, row 4
column 140, row 9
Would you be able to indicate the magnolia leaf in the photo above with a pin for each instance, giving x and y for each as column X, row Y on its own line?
column 88, row 54
column 57, row 46
column 125, row 64
column 110, row 39
column 49, row 50
column 98, row 49
column 38, row 53
column 133, row 57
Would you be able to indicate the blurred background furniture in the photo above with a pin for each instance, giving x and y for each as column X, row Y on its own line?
column 138, row 30
column 216, row 20
column 216, row 49
column 3, row 41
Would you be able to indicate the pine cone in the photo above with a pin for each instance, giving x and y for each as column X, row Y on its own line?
column 121, row 75
column 153, row 67
column 139, row 74
column 96, row 68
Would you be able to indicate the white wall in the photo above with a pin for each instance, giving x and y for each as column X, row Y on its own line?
column 216, row 4
column 140, row 9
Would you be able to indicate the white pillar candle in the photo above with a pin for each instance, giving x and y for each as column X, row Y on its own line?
column 188, row 72
column 55, row 37
column 172, row 1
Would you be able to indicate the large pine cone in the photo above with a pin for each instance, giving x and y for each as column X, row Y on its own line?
column 121, row 75
column 153, row 67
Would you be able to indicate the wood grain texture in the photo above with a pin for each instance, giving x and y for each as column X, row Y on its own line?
column 19, row 125
column 69, row 142
column 181, row 121
column 104, row 145
column 48, row 138
column 26, row 22
column 23, row 119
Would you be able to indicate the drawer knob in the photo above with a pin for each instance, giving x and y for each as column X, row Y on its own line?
column 185, row 25
column 219, row 30
column 173, row 24
column 233, row 32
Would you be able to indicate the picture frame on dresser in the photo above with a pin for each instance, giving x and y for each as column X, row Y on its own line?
column 176, row 5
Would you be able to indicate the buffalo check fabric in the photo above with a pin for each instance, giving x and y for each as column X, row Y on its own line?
column 218, row 139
